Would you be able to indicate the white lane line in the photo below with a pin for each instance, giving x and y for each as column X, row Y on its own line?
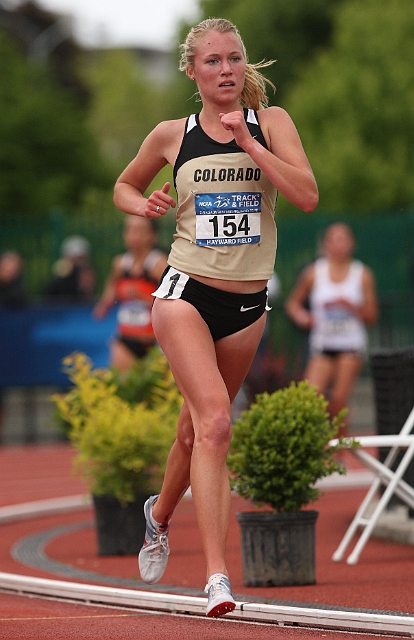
column 374, row 622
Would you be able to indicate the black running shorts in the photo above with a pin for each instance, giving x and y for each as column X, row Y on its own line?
column 224, row 312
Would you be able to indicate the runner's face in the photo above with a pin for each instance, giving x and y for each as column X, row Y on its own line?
column 138, row 234
column 339, row 242
column 219, row 67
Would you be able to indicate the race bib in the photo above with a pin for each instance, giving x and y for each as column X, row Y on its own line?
column 172, row 284
column 337, row 321
column 134, row 314
column 227, row 218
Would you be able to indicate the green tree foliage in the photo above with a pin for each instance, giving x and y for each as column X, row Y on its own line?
column 287, row 31
column 47, row 155
column 125, row 107
column 354, row 108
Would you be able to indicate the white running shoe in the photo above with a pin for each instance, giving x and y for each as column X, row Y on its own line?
column 153, row 557
column 220, row 599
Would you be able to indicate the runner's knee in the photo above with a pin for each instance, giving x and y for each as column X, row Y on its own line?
column 215, row 430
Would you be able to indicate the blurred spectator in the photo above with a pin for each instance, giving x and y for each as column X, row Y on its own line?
column 133, row 278
column 12, row 294
column 73, row 275
column 341, row 294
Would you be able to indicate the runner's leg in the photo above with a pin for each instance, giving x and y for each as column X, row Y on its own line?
column 209, row 376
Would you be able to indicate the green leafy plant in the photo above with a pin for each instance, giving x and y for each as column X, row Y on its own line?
column 145, row 382
column 122, row 446
column 280, row 448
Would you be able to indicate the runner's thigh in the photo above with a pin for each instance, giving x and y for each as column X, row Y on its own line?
column 235, row 354
column 187, row 343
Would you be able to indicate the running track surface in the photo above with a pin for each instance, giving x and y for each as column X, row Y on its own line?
column 383, row 580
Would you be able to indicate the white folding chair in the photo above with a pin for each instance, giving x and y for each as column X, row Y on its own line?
column 384, row 475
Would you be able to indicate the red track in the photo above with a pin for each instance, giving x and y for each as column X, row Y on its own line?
column 382, row 580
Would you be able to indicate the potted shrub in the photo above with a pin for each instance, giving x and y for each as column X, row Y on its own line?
column 279, row 451
column 122, row 445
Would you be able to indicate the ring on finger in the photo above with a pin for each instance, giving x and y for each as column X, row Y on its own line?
column 157, row 208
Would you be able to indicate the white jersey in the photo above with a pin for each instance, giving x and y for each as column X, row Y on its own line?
column 336, row 328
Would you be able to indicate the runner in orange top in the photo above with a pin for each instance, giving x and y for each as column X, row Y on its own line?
column 134, row 277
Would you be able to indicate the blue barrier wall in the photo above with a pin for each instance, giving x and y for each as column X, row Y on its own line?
column 34, row 340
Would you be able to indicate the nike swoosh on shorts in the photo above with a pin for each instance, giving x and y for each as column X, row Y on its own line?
column 243, row 308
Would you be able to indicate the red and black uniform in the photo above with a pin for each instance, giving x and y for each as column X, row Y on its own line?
column 133, row 292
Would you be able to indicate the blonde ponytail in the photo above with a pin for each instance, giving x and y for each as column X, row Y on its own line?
column 254, row 91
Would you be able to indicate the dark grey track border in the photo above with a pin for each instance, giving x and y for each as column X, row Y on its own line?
column 30, row 551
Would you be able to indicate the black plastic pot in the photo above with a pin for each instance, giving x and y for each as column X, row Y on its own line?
column 278, row 549
column 120, row 528
column 393, row 376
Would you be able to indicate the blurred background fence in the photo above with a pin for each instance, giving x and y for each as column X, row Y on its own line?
column 385, row 242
